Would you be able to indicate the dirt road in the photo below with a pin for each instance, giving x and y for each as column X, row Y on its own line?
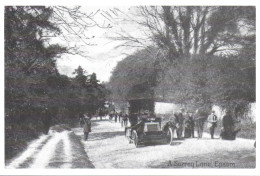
column 61, row 148
column 107, row 147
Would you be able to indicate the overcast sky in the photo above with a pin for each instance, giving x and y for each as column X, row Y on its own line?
column 103, row 56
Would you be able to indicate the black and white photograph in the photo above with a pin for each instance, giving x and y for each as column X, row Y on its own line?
column 169, row 87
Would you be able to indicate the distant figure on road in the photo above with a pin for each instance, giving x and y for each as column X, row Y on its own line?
column 124, row 120
column 228, row 131
column 119, row 116
column 116, row 115
column 212, row 123
column 101, row 113
column 189, row 126
column 81, row 121
column 86, row 127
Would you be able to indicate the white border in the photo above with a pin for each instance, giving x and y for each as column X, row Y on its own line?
column 131, row 3
column 4, row 171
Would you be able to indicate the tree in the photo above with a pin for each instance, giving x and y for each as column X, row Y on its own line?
column 93, row 79
column 28, row 60
column 135, row 76
column 235, row 88
column 189, row 30
column 75, row 22
column 200, row 47
column 24, row 46
column 35, row 93
column 203, row 82
column 81, row 78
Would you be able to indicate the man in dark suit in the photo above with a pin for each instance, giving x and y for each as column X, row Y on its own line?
column 86, row 127
column 199, row 119
column 179, row 120
column 189, row 126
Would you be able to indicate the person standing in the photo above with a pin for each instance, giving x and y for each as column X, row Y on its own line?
column 199, row 119
column 125, row 119
column 228, row 122
column 116, row 115
column 86, row 127
column 81, row 119
column 212, row 123
column 122, row 120
column 228, row 131
column 189, row 126
column 179, row 119
column 120, row 116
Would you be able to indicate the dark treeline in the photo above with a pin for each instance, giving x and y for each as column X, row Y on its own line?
column 36, row 95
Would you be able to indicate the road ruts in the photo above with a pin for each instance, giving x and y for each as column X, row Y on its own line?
column 56, row 150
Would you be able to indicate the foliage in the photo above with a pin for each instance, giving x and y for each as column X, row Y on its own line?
column 135, row 76
column 36, row 95
column 197, row 82
column 206, row 54
column 29, row 62
column 211, row 80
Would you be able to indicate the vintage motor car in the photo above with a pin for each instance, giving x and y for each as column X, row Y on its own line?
column 148, row 130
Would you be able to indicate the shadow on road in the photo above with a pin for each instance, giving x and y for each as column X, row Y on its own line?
column 105, row 135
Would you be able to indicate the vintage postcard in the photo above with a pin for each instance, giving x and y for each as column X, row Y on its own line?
column 163, row 88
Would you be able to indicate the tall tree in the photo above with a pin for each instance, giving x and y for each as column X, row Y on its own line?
column 135, row 77
column 29, row 62
column 189, row 39
column 81, row 78
column 187, row 30
column 24, row 47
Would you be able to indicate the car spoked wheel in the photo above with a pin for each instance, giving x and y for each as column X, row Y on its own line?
column 135, row 139
column 169, row 136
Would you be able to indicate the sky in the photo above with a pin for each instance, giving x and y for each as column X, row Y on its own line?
column 103, row 56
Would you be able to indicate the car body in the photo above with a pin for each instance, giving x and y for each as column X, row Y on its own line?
column 148, row 130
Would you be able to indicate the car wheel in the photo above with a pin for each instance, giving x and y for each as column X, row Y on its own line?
column 169, row 136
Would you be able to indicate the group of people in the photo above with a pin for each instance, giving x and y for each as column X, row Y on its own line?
column 119, row 117
column 185, row 123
